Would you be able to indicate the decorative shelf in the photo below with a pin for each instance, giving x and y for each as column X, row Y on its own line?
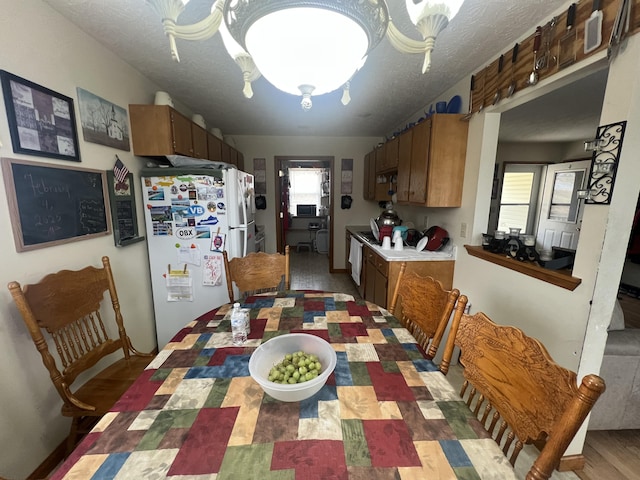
column 561, row 278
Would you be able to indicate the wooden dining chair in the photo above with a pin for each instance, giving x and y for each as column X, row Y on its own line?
column 519, row 393
column 70, row 311
column 426, row 308
column 257, row 272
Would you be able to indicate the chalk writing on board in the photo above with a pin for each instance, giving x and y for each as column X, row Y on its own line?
column 125, row 219
column 53, row 204
column 91, row 215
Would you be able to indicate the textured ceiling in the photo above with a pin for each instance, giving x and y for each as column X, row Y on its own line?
column 387, row 91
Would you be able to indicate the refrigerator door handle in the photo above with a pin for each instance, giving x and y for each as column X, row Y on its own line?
column 245, row 248
column 243, row 202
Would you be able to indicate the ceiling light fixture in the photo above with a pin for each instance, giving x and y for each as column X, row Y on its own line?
column 307, row 47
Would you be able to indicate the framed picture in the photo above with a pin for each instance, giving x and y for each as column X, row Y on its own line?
column 103, row 122
column 41, row 122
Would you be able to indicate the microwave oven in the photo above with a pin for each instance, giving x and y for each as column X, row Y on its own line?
column 306, row 210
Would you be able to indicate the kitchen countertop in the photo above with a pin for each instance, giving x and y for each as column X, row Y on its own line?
column 407, row 254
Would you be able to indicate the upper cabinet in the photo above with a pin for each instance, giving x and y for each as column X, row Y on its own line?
column 369, row 185
column 404, row 165
column 199, row 138
column 425, row 164
column 214, row 146
column 438, row 152
column 159, row 130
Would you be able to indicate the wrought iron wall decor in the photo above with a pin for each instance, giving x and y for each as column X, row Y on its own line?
column 604, row 164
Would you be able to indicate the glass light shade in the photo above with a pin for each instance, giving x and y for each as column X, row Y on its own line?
column 233, row 48
column 313, row 47
column 448, row 8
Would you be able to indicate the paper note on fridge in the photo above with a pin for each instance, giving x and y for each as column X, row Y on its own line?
column 189, row 254
column 179, row 286
column 212, row 272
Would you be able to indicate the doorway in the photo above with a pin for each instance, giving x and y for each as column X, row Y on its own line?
column 561, row 210
column 301, row 226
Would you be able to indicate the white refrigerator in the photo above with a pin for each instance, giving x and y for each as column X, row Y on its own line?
column 192, row 215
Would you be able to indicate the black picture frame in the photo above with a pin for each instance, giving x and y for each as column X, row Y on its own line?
column 122, row 200
column 41, row 122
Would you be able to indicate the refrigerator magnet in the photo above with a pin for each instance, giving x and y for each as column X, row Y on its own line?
column 217, row 241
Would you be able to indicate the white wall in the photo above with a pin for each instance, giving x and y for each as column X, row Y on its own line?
column 41, row 46
column 338, row 147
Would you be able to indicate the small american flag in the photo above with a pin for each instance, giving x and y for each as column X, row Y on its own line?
column 120, row 171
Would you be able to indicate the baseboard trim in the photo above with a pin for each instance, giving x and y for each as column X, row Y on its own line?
column 571, row 463
column 50, row 463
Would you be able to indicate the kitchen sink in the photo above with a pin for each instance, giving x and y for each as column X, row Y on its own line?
column 368, row 236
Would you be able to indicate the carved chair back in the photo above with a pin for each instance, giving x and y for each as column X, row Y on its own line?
column 426, row 308
column 71, row 320
column 257, row 272
column 519, row 394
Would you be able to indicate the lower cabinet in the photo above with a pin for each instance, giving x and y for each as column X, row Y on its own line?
column 380, row 275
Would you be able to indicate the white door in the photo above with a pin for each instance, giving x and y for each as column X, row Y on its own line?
column 561, row 210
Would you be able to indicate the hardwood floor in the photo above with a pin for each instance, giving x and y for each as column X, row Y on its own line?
column 612, row 455
column 631, row 307
column 310, row 271
column 609, row 455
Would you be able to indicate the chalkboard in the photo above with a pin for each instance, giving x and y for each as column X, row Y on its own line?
column 54, row 204
column 123, row 210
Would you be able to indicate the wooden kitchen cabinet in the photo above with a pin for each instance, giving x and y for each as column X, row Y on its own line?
column 426, row 160
column 391, row 149
column 369, row 180
column 233, row 156
column 214, row 148
column 438, row 151
column 226, row 153
column 159, row 130
column 376, row 274
column 381, row 281
column 199, row 138
column 387, row 156
column 382, row 275
column 369, row 266
column 404, row 166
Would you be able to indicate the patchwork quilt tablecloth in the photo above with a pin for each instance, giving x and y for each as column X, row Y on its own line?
column 385, row 413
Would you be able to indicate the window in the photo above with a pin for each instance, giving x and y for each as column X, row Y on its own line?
column 305, row 187
column 519, row 197
column 564, row 198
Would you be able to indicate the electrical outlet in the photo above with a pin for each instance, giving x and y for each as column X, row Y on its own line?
column 426, row 221
column 467, row 308
column 463, row 230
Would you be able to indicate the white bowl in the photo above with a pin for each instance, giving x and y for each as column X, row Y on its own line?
column 273, row 351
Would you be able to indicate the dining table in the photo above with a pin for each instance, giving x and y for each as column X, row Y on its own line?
column 386, row 412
